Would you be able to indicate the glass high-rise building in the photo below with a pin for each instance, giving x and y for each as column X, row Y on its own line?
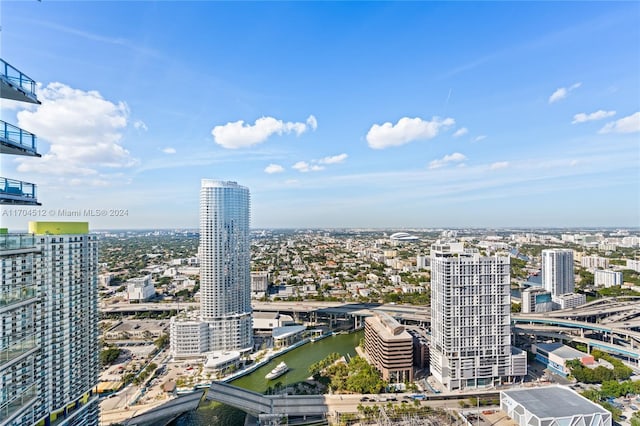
column 225, row 273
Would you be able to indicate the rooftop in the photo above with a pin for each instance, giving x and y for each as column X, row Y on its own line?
column 387, row 327
column 558, row 349
column 553, row 402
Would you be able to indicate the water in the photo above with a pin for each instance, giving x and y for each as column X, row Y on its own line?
column 298, row 360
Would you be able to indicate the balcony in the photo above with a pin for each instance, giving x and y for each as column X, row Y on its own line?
column 16, row 297
column 16, row 350
column 17, row 192
column 15, row 406
column 11, row 242
column 15, row 85
column 15, row 141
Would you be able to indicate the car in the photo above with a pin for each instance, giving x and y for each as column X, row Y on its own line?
column 363, row 399
column 393, row 398
column 633, row 407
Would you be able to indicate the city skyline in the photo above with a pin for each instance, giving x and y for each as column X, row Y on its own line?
column 385, row 115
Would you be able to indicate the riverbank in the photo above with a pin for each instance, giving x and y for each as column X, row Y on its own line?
column 298, row 357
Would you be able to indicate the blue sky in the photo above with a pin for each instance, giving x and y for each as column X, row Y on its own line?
column 396, row 115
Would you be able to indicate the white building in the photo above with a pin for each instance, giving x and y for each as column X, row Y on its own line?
column 607, row 278
column 536, row 299
column 552, row 405
column 594, row 262
column 633, row 265
column 422, row 262
column 225, row 275
column 557, row 271
column 140, row 289
column 471, row 318
column 259, row 283
column 188, row 338
column 568, row 300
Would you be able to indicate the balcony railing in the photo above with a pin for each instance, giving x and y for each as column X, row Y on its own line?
column 16, row 349
column 18, row 141
column 16, row 295
column 20, row 402
column 17, row 192
column 19, row 82
column 16, row 241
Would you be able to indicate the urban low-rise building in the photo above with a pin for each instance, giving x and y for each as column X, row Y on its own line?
column 556, row 355
column 389, row 347
column 552, row 405
column 607, row 278
column 569, row 300
column 140, row 289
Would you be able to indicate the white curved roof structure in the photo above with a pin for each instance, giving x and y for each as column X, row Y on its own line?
column 403, row 236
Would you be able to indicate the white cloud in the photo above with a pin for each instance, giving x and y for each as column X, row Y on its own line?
column 304, row 167
column 598, row 115
column 562, row 92
column 273, row 168
column 237, row 134
column 456, row 157
column 629, row 124
column 312, row 122
column 406, row 130
column 169, row 150
column 461, row 132
column 479, row 138
column 499, row 165
column 140, row 125
column 333, row 159
column 83, row 128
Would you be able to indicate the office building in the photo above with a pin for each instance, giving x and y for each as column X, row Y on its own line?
column 552, row 405
column 536, row 299
column 389, row 347
column 557, row 271
column 471, row 319
column 140, row 289
column 225, row 273
column 607, row 278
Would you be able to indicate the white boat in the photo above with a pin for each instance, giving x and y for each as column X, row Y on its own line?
column 278, row 371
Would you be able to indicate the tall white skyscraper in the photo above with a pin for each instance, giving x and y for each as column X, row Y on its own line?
column 557, row 271
column 225, row 273
column 470, row 319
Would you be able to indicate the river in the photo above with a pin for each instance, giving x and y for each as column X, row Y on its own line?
column 298, row 360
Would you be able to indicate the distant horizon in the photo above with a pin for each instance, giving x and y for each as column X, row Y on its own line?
column 415, row 229
column 454, row 114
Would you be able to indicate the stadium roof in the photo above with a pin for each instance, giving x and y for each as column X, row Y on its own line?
column 403, row 236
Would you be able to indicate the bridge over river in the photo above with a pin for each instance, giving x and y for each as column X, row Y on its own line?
column 266, row 406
